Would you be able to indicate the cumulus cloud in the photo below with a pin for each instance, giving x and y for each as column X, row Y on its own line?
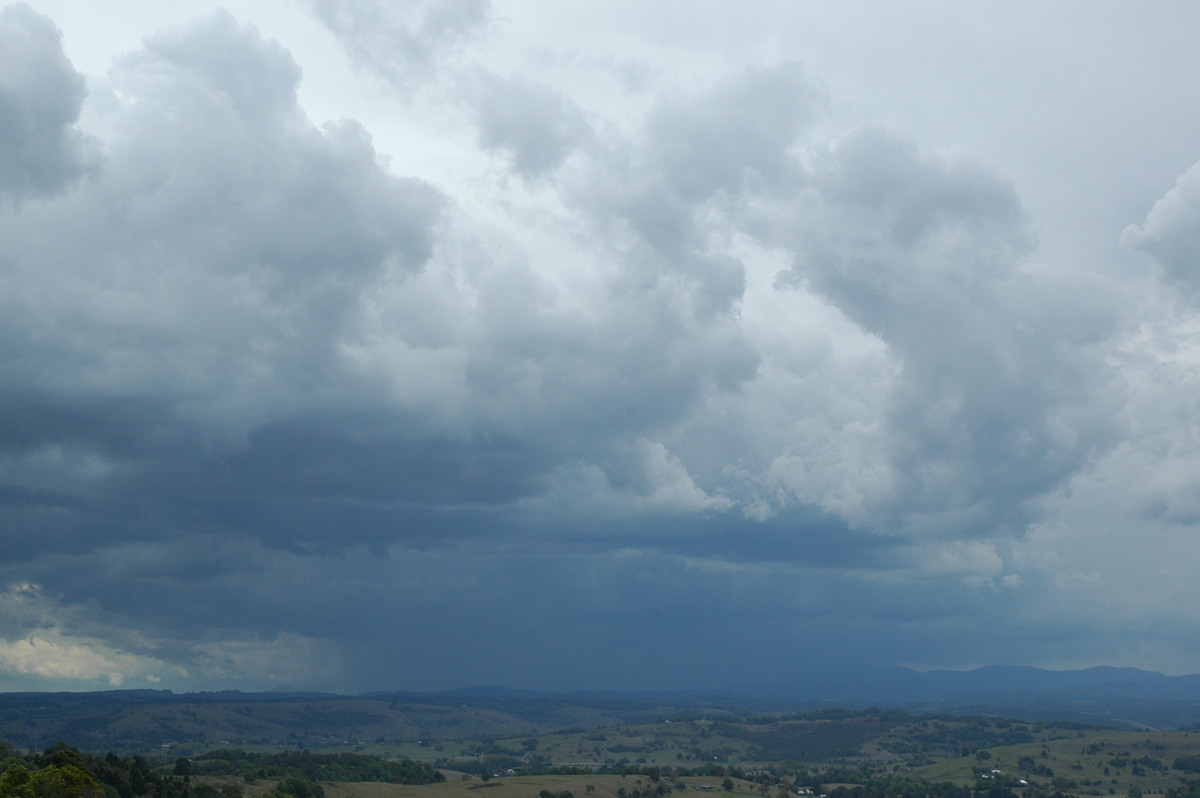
column 42, row 150
column 74, row 645
column 534, row 124
column 59, row 656
column 1171, row 234
column 52, row 655
column 930, row 254
column 735, row 137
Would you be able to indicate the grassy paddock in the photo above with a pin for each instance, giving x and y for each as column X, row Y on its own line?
column 1098, row 762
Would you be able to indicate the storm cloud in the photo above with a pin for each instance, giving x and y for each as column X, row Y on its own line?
column 576, row 342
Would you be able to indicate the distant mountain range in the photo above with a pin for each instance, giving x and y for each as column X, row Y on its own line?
column 898, row 685
column 1102, row 695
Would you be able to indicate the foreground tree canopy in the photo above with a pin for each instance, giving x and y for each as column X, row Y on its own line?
column 64, row 772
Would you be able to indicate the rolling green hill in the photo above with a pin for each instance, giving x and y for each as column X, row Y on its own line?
column 566, row 744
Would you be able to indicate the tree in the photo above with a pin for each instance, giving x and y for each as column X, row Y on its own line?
column 61, row 754
column 53, row 781
column 14, row 782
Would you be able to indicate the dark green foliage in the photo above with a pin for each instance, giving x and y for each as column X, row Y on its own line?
column 907, row 787
column 298, row 787
column 61, row 754
column 809, row 740
column 637, row 792
column 561, row 794
column 947, row 735
column 318, row 767
column 1190, row 789
column 63, row 772
column 14, row 781
column 52, row 781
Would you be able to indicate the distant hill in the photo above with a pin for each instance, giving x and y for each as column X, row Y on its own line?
column 137, row 719
column 898, row 685
column 1128, row 697
column 994, row 679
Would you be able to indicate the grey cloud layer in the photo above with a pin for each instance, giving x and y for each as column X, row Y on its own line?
column 403, row 43
column 702, row 367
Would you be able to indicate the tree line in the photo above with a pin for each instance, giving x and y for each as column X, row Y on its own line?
column 62, row 771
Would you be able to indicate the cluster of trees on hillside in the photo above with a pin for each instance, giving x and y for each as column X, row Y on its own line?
column 52, row 781
column 64, row 772
column 895, row 786
column 318, row 767
column 1190, row 789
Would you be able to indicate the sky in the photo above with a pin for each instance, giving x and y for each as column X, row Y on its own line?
column 361, row 346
